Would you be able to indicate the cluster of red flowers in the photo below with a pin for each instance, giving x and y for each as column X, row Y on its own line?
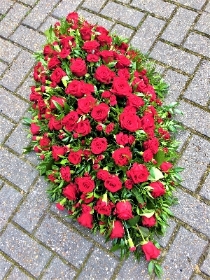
column 99, row 128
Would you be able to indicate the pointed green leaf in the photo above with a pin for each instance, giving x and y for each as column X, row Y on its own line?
column 134, row 221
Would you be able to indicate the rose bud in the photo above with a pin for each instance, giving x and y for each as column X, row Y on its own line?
column 60, row 206
column 158, row 189
column 150, row 251
column 165, row 166
column 148, row 222
column 117, row 230
column 132, row 248
column 35, row 129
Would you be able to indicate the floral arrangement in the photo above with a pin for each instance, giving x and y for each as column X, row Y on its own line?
column 103, row 137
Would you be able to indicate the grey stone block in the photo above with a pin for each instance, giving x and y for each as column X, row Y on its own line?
column 175, row 57
column 63, row 240
column 19, row 68
column 198, row 43
column 33, row 208
column 17, row 140
column 24, row 250
column 29, row 2
column 181, row 137
column 179, row 25
column 208, row 7
column 4, row 266
column 12, row 19
column 17, row 274
column 46, row 25
column 144, row 39
column 157, row 7
column 5, row 5
column 203, row 24
column 176, row 83
column 183, row 255
column 24, row 90
column 118, row 12
column 5, row 128
column 163, row 240
column 65, row 7
column 9, row 199
column 122, row 31
column 2, row 67
column 8, row 51
column 194, row 118
column 96, row 19
column 28, row 38
column 197, row 4
column 205, row 191
column 93, row 5
column 133, row 270
column 197, row 277
column 94, row 268
column 39, row 13
column 206, row 265
column 58, row 270
column 193, row 212
column 198, row 89
column 15, row 170
column 9, row 101
column 194, row 160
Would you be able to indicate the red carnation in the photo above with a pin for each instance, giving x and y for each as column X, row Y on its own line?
column 98, row 145
column 124, row 210
column 117, row 230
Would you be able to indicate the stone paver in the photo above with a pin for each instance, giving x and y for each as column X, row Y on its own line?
column 38, row 242
column 31, row 211
column 24, row 250
column 175, row 57
column 183, row 255
column 63, row 240
column 59, row 270
column 94, row 268
column 192, row 211
column 15, row 170
column 143, row 39
column 179, row 25
column 9, row 199
column 195, row 160
column 200, row 84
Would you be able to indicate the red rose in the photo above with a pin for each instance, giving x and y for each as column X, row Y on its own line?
column 158, row 189
column 117, row 230
column 65, row 173
column 58, row 151
column 109, row 128
column 86, row 220
column 60, row 206
column 113, row 183
column 70, row 191
column 75, row 88
column 122, row 139
column 64, row 52
column 57, row 75
column 100, row 112
column 44, row 142
column 72, row 17
column 78, row 67
column 103, row 207
column 123, row 61
column 121, row 87
column 147, row 155
column 53, row 62
column 148, row 222
column 90, row 46
column 103, row 174
column 107, row 55
column 138, row 173
column 98, row 145
column 124, row 73
column 83, row 128
column 54, row 124
column 75, row 157
column 150, row 251
column 86, row 32
column 86, row 199
column 165, row 166
column 152, row 144
column 134, row 100
column 35, row 129
column 51, row 177
column 130, row 121
column 147, row 123
column 122, row 156
column 85, row 184
column 86, row 104
column 70, row 120
column 124, row 210
column 113, row 100
column 129, row 184
column 91, row 57
column 59, row 100
column 104, row 75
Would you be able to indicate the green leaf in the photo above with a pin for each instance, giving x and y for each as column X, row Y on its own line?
column 148, row 214
column 50, row 35
column 115, row 248
column 160, row 157
column 151, row 267
column 133, row 221
column 57, row 105
column 138, row 196
column 27, row 121
column 155, row 174
column 144, row 231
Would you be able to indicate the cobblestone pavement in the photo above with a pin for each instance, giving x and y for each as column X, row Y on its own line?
column 37, row 242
